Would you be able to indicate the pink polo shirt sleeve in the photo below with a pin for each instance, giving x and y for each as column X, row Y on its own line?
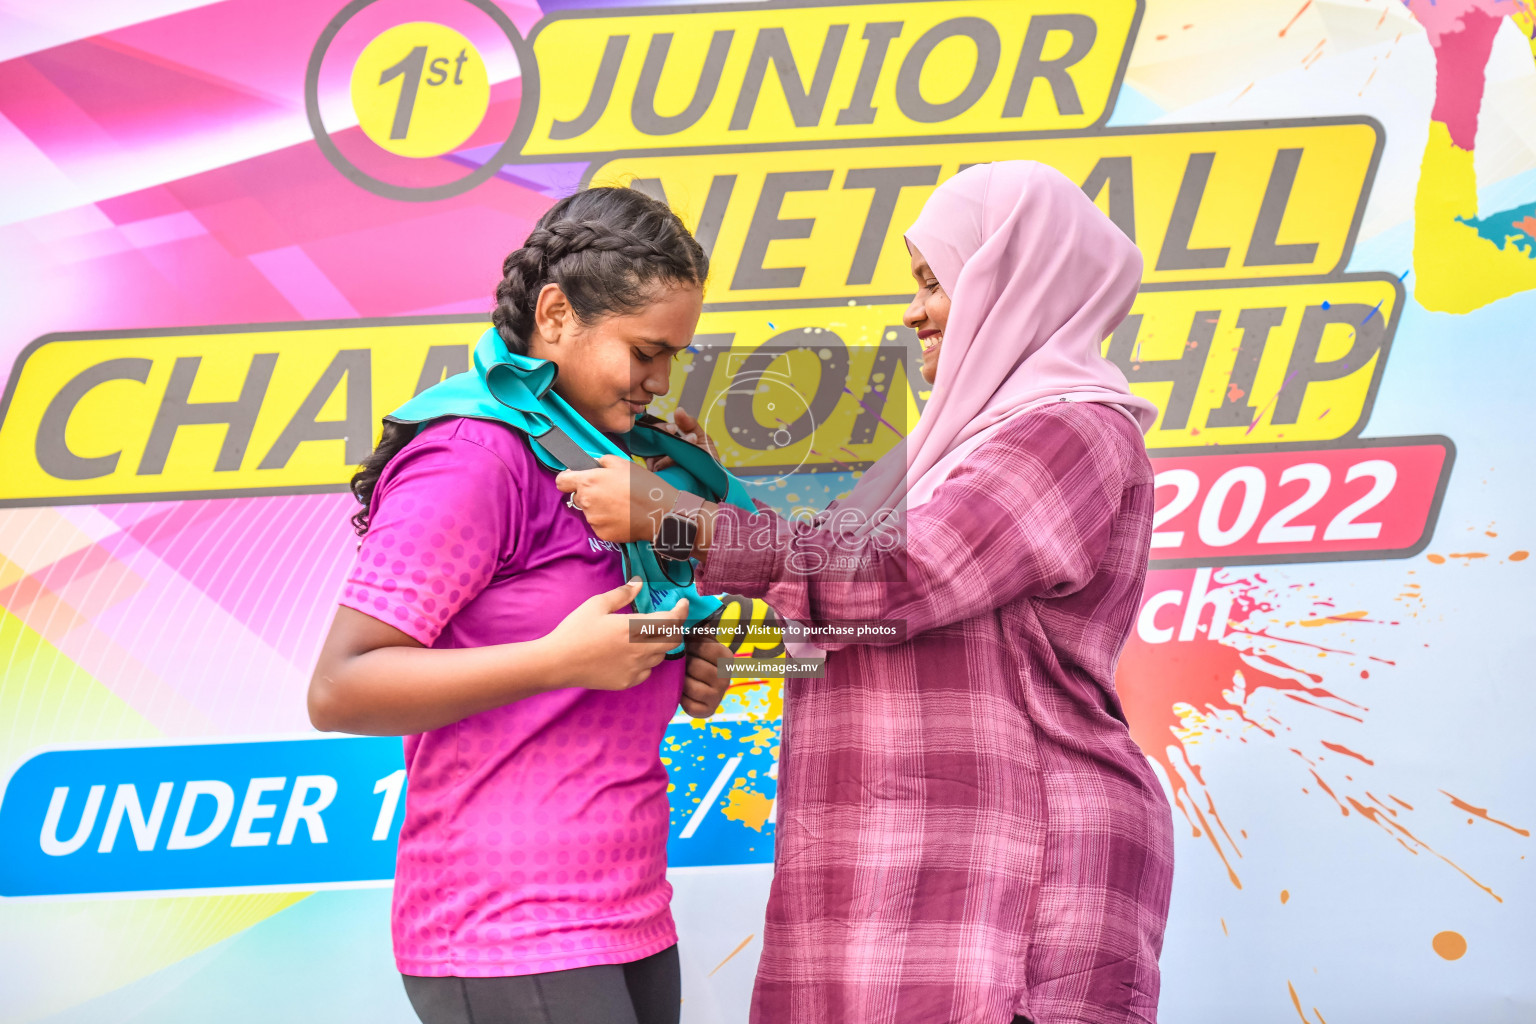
column 442, row 523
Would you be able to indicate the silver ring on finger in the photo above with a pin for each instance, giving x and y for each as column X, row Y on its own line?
column 570, row 499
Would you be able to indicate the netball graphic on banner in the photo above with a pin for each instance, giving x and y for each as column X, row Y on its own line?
column 235, row 235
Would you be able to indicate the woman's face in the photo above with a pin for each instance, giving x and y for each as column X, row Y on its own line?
column 610, row 370
column 928, row 313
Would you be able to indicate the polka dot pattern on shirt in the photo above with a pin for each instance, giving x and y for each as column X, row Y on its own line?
column 534, row 834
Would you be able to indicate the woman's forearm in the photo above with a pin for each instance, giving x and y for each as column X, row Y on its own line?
column 705, row 533
column 811, row 575
column 395, row 691
column 1030, row 513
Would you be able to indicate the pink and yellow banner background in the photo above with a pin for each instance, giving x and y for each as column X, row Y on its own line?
column 1346, row 739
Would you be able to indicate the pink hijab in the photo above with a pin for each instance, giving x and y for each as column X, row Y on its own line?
column 1037, row 278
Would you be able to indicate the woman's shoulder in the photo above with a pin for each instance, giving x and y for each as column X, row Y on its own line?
column 1094, row 431
column 461, row 460
column 471, row 470
column 472, row 441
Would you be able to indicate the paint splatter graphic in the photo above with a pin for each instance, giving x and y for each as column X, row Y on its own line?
column 1465, row 261
column 733, row 952
column 724, row 769
column 1513, row 227
column 1450, row 945
column 1296, row 1002
column 1261, row 678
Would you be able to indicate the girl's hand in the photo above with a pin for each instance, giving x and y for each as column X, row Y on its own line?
column 704, row 687
column 686, row 427
column 595, row 646
column 621, row 501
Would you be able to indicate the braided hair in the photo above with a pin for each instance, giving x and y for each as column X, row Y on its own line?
column 607, row 249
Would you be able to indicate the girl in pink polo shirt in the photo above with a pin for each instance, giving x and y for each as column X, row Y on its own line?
column 482, row 621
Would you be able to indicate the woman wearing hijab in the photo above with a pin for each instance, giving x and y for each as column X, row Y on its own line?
column 966, row 832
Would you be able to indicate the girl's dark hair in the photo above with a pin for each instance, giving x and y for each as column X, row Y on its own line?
column 607, row 248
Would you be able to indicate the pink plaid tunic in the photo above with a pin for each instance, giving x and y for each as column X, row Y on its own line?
column 966, row 830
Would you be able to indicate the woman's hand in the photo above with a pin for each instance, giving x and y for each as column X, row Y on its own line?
column 596, row 649
column 704, row 687
column 686, row 427
column 621, row 501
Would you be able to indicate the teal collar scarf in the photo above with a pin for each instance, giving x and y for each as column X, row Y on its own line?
column 516, row 390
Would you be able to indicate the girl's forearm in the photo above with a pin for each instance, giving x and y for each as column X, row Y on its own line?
column 395, row 691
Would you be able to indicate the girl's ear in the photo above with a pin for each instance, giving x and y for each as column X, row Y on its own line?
column 552, row 313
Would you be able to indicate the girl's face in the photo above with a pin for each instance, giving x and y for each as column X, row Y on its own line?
column 610, row 370
column 928, row 313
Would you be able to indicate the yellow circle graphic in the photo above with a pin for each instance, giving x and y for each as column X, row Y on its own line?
column 420, row 89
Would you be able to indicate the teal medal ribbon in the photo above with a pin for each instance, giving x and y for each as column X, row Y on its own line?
column 516, row 390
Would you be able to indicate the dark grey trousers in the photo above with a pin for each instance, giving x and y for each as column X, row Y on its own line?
column 648, row 991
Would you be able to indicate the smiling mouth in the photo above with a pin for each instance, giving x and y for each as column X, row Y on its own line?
column 932, row 343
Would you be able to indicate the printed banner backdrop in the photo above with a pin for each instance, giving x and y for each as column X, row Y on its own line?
column 233, row 234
